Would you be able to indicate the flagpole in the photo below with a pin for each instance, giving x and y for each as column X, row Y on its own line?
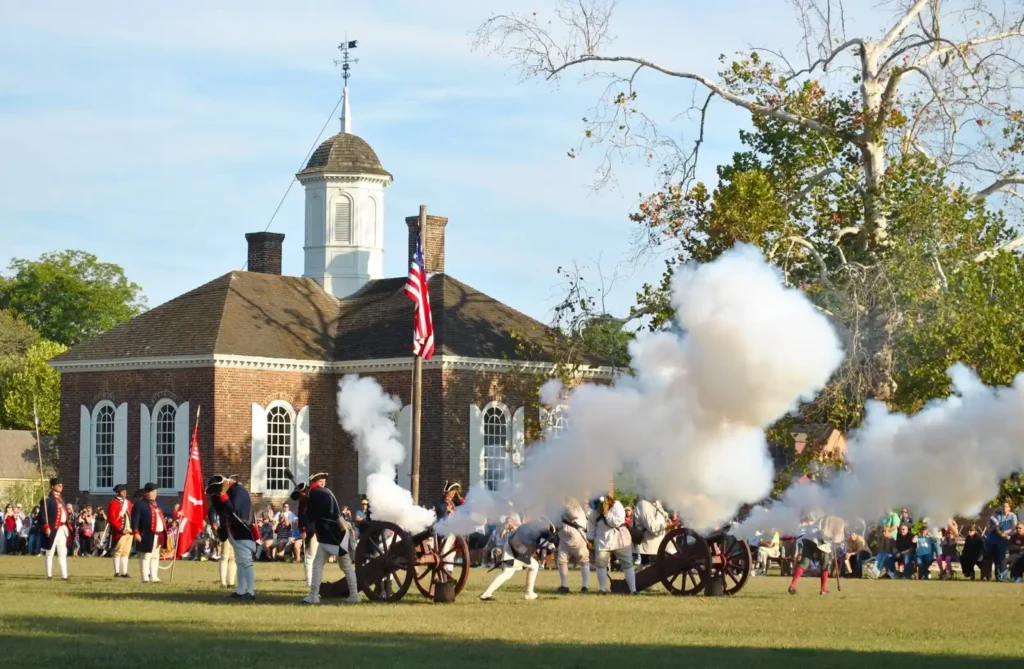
column 417, row 383
column 39, row 452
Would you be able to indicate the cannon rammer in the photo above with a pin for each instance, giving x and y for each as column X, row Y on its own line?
column 690, row 564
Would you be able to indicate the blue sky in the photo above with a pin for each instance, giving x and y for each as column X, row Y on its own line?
column 156, row 136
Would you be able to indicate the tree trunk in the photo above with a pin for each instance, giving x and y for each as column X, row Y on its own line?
column 872, row 149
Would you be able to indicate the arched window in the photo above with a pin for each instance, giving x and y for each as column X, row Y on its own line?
column 558, row 423
column 343, row 220
column 280, row 446
column 497, row 456
column 371, row 222
column 163, row 445
column 103, row 446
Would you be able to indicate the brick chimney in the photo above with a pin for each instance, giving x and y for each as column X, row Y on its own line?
column 265, row 252
column 433, row 241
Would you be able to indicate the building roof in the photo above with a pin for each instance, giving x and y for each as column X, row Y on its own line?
column 345, row 153
column 239, row 313
column 272, row 316
column 18, row 457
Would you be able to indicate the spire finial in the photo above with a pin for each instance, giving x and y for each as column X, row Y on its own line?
column 346, row 71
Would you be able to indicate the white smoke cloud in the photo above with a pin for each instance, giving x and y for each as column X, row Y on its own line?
column 364, row 410
column 690, row 421
column 946, row 460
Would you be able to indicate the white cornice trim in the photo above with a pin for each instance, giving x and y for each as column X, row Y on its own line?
column 256, row 363
column 335, row 176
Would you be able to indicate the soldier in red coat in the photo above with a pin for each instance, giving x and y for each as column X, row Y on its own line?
column 150, row 528
column 119, row 515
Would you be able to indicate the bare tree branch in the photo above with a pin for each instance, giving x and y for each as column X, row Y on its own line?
column 721, row 92
column 1007, row 247
column 822, row 267
column 811, row 183
column 998, row 185
column 902, row 24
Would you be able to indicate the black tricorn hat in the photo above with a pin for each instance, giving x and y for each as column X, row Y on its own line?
column 300, row 488
column 150, row 487
column 213, row 484
column 55, row 481
column 321, row 476
column 454, row 485
column 119, row 487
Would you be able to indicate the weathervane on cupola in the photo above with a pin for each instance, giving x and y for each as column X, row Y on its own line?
column 346, row 63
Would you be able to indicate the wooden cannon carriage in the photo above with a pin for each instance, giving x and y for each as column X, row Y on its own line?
column 688, row 564
column 389, row 560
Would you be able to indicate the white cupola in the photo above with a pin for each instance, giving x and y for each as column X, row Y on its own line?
column 344, row 184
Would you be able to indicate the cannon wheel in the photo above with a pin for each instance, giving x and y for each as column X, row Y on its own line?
column 686, row 571
column 434, row 565
column 386, row 551
column 732, row 561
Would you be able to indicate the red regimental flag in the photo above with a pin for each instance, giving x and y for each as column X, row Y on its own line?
column 193, row 501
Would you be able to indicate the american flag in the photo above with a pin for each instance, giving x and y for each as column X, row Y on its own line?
column 416, row 289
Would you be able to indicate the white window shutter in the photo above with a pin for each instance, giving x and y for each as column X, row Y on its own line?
column 518, row 437
column 476, row 446
column 302, row 445
column 145, row 446
column 258, row 474
column 120, row 445
column 84, row 450
column 181, row 445
column 405, row 436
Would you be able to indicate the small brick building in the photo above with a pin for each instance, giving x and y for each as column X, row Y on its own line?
column 258, row 357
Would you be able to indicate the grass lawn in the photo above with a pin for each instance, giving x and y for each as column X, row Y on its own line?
column 97, row 621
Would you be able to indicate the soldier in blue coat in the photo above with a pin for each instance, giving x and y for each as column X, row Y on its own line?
column 238, row 515
column 150, row 530
column 334, row 535
column 217, row 517
column 56, row 529
column 520, row 548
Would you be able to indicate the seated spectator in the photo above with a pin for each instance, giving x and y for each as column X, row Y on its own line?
column 769, row 549
column 266, row 538
column 282, row 536
column 903, row 559
column 925, row 553
column 887, row 528
column 950, row 536
column 856, row 553
column 974, row 549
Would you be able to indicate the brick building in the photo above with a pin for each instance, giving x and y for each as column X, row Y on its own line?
column 261, row 355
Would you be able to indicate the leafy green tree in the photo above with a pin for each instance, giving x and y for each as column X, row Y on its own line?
column 69, row 296
column 16, row 338
column 35, row 384
column 872, row 177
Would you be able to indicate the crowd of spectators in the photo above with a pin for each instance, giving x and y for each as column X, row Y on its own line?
column 899, row 547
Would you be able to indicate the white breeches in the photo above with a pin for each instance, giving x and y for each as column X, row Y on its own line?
column 149, row 565
column 245, row 555
column 307, row 558
column 509, row 571
column 603, row 559
column 59, row 545
column 228, row 567
column 572, row 547
column 625, row 557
